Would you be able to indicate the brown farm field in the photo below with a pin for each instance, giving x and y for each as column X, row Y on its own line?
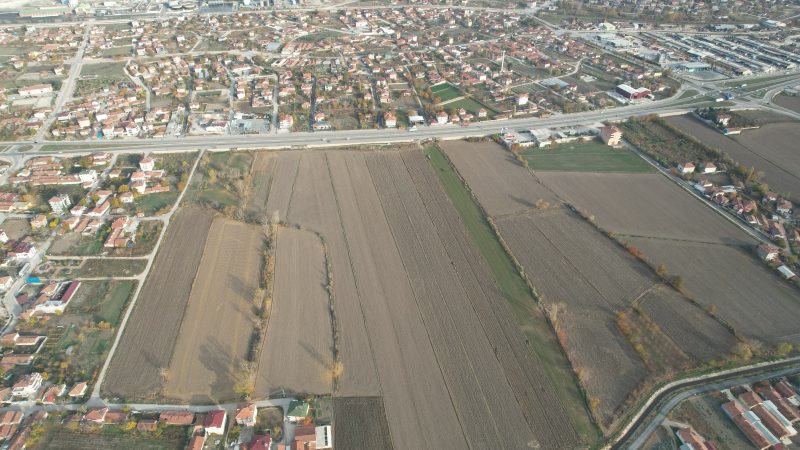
column 744, row 292
column 643, row 205
column 146, row 345
column 560, row 254
column 771, row 149
column 360, row 423
column 693, row 330
column 260, row 181
column 500, row 183
column 788, row 101
column 207, row 356
column 300, row 319
column 407, row 327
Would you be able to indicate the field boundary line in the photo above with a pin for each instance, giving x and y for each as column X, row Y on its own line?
column 294, row 183
column 95, row 396
column 416, row 300
column 358, row 292
column 465, row 255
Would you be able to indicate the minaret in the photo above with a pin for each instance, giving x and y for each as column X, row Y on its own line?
column 503, row 63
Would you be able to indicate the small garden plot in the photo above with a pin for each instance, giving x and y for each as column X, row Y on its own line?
column 78, row 341
column 664, row 143
column 72, row 436
column 97, row 77
column 444, row 92
column 589, row 156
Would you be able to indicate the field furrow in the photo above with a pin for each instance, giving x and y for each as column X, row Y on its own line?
column 149, row 338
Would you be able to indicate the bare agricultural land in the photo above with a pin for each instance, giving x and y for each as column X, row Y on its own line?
column 643, row 205
column 561, row 255
column 500, row 183
column 219, row 320
column 261, row 179
column 152, row 330
column 406, row 328
column 759, row 304
column 360, row 423
column 300, row 319
column 789, row 102
column 771, row 149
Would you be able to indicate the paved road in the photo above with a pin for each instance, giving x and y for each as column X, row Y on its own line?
column 68, row 87
column 646, row 422
column 353, row 137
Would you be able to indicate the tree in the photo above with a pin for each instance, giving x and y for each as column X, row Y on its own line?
column 785, row 348
column 661, row 270
column 677, row 282
column 744, row 351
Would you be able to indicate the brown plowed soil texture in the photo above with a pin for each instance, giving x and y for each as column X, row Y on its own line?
column 220, row 318
column 152, row 330
column 789, row 102
column 414, row 314
column 643, row 205
column 300, row 320
column 262, row 172
column 519, row 362
column 771, row 149
column 283, row 181
column 501, row 184
column 360, row 423
column 571, row 264
column 315, row 206
column 754, row 299
column 692, row 329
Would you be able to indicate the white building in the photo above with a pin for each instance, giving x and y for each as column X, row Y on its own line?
column 27, row 386
column 324, row 437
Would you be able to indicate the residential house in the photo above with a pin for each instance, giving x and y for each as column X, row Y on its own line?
column 214, row 422
column 39, row 221
column 324, row 437
column 246, row 415
column 5, row 283
column 260, row 442
column 709, row 168
column 692, row 440
column 390, row 119
column 611, row 135
column 686, row 168
column 767, row 252
column 305, row 438
column 78, row 390
column 52, row 393
column 196, row 443
column 28, row 385
column 60, row 203
column 147, row 164
column 297, row 411
column 285, row 122
column 96, row 415
column 178, row 418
